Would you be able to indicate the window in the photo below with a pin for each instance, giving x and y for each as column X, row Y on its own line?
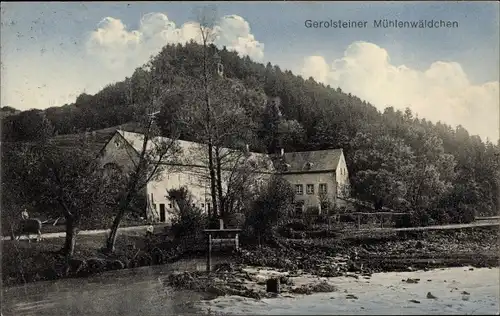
column 322, row 188
column 203, row 205
column 194, row 204
column 299, row 189
column 170, row 205
column 310, row 189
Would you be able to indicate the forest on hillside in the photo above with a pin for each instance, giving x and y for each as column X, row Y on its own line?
column 395, row 159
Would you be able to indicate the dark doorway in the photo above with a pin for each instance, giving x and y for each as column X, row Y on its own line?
column 162, row 213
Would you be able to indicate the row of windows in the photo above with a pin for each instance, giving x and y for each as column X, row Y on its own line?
column 299, row 188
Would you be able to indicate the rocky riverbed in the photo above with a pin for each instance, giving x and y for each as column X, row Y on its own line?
column 248, row 281
column 309, row 260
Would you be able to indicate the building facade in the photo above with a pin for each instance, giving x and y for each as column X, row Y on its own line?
column 316, row 176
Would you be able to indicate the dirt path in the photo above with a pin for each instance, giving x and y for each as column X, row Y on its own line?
column 134, row 229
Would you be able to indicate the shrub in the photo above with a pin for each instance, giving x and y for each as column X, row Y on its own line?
column 403, row 221
column 466, row 213
column 311, row 215
column 348, row 218
column 270, row 208
column 188, row 220
column 440, row 216
column 295, row 224
column 418, row 218
column 235, row 220
column 312, row 211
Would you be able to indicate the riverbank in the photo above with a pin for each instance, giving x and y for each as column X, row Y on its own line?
column 356, row 258
column 460, row 291
column 323, row 257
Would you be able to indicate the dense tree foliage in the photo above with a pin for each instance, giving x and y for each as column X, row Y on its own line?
column 56, row 182
column 395, row 159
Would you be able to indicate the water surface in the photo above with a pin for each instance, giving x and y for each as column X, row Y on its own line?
column 140, row 291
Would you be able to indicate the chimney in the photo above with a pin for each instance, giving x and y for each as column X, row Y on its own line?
column 247, row 148
column 282, row 152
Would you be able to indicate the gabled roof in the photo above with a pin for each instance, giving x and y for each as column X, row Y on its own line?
column 195, row 154
column 312, row 161
column 94, row 140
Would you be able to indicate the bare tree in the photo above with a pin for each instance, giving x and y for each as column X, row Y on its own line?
column 206, row 19
column 156, row 153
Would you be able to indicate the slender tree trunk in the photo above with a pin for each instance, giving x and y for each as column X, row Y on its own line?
column 131, row 189
column 212, row 181
column 209, row 130
column 219, row 183
column 70, row 239
column 12, row 232
column 111, row 241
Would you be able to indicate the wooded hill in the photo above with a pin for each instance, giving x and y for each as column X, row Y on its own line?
column 395, row 159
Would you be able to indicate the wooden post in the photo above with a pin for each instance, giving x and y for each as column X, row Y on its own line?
column 221, row 223
column 237, row 241
column 359, row 221
column 209, row 255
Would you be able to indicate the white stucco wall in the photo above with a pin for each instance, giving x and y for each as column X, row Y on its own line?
column 313, row 200
column 196, row 180
column 190, row 177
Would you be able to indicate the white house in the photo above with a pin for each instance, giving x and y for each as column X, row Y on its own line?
column 315, row 175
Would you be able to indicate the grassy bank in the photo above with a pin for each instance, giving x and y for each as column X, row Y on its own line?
column 36, row 261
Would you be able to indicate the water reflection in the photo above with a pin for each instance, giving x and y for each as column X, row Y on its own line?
column 138, row 291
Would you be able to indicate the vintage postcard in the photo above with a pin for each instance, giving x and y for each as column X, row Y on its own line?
column 231, row 158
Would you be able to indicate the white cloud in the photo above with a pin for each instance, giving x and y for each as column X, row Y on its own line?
column 119, row 47
column 111, row 53
column 440, row 93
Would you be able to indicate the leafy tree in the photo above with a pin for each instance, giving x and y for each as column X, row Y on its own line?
column 62, row 182
column 379, row 175
column 188, row 220
column 270, row 208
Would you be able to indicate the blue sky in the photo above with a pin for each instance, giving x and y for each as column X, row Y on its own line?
column 51, row 52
